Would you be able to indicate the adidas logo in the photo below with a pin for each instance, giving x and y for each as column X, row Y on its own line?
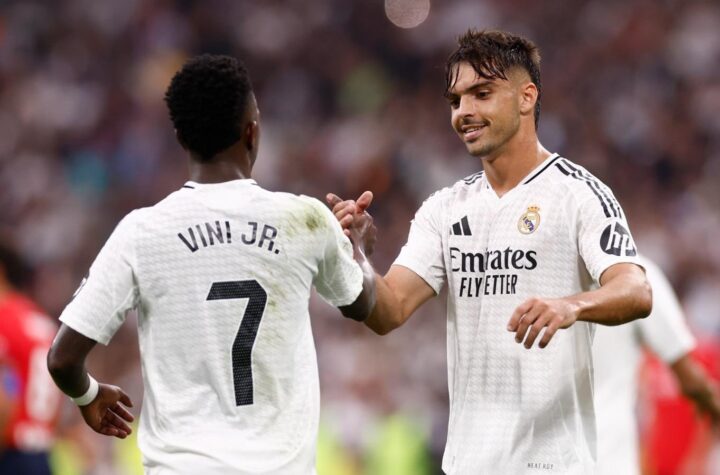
column 461, row 228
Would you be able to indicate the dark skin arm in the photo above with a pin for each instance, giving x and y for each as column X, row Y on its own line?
column 107, row 413
column 698, row 387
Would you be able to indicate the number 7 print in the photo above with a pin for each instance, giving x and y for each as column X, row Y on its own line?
column 245, row 338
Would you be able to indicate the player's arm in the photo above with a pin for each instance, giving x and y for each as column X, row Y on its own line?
column 401, row 291
column 698, row 387
column 363, row 305
column 99, row 403
column 399, row 294
column 94, row 314
column 624, row 295
column 606, row 248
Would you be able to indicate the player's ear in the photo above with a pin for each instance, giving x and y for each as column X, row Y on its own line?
column 528, row 97
column 252, row 136
column 180, row 140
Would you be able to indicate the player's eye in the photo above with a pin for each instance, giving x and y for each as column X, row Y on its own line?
column 482, row 94
column 454, row 102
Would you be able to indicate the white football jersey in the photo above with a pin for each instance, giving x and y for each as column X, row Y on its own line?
column 617, row 355
column 221, row 275
column 513, row 410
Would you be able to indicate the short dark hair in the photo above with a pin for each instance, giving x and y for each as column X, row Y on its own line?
column 207, row 99
column 491, row 54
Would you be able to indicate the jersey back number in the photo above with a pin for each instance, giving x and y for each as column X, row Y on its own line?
column 246, row 334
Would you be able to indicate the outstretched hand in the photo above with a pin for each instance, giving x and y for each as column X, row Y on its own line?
column 356, row 222
column 534, row 314
column 106, row 415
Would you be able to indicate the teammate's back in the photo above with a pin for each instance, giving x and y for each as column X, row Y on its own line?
column 221, row 273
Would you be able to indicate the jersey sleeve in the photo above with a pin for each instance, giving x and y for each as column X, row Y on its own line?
column 423, row 252
column 100, row 304
column 665, row 331
column 603, row 234
column 339, row 279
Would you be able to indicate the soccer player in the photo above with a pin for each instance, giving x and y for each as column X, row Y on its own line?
column 29, row 401
column 530, row 245
column 220, row 272
column 618, row 354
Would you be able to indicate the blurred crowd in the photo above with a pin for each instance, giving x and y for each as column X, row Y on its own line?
column 349, row 102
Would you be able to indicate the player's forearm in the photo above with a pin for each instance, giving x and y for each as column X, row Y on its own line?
column 361, row 308
column 697, row 386
column 72, row 379
column 388, row 313
column 624, row 298
column 66, row 361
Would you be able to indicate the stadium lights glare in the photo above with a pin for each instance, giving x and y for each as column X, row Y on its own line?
column 407, row 13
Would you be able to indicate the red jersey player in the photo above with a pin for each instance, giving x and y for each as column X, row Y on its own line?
column 29, row 401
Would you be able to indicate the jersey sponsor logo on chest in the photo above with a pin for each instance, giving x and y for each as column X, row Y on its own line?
column 487, row 263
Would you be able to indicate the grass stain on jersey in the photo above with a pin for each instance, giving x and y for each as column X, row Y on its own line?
column 313, row 220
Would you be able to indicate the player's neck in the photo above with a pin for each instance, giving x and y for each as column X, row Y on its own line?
column 505, row 170
column 228, row 165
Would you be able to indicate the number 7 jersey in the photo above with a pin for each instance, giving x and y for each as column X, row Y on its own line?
column 221, row 276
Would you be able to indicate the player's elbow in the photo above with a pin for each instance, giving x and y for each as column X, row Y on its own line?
column 383, row 323
column 55, row 363
column 644, row 299
column 380, row 329
column 59, row 362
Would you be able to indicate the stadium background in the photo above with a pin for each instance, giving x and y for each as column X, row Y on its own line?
column 351, row 99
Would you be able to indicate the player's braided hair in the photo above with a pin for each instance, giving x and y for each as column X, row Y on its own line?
column 207, row 99
column 492, row 54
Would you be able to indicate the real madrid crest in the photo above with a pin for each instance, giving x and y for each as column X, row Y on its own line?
column 530, row 220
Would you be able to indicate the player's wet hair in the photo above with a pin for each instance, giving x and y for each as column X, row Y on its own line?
column 207, row 99
column 492, row 54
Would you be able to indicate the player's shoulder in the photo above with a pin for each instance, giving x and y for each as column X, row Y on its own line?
column 574, row 176
column 130, row 221
column 580, row 188
column 316, row 213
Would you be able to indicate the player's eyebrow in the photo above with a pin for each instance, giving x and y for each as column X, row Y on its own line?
column 450, row 95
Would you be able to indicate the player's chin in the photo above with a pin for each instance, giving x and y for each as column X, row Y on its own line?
column 477, row 149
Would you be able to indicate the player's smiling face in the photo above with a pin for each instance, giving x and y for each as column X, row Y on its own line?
column 485, row 113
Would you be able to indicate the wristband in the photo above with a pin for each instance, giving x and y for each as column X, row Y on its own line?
column 89, row 395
